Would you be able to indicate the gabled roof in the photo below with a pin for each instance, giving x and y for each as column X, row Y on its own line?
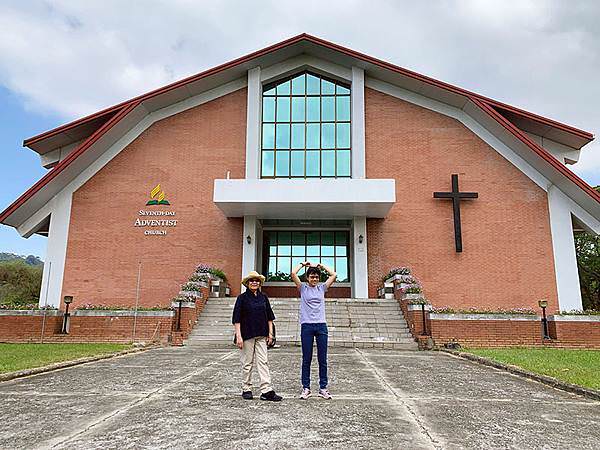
column 91, row 128
column 77, row 129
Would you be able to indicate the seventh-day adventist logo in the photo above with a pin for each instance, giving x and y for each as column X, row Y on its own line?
column 157, row 197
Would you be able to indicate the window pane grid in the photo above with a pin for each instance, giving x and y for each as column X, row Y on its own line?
column 306, row 136
column 284, row 250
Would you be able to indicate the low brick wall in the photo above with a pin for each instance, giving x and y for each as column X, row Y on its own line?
column 86, row 326
column 575, row 331
column 500, row 330
column 486, row 330
column 17, row 326
column 482, row 330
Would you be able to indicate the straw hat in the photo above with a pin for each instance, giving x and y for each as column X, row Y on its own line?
column 253, row 274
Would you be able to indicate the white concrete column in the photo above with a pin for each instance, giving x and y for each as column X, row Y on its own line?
column 249, row 249
column 360, row 280
column 56, row 252
column 253, row 124
column 358, row 123
column 565, row 258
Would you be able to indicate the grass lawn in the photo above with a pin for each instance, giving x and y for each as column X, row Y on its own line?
column 26, row 356
column 580, row 367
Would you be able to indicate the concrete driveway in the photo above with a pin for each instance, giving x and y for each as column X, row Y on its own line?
column 190, row 398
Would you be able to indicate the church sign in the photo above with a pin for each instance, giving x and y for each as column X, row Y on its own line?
column 151, row 219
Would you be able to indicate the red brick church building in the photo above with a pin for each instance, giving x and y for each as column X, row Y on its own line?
column 307, row 150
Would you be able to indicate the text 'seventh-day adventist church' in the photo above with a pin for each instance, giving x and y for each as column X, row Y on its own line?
column 306, row 150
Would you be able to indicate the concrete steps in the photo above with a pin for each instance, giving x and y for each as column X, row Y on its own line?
column 361, row 323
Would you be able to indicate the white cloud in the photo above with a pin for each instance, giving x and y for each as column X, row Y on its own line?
column 74, row 57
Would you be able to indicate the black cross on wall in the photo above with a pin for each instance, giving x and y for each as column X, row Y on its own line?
column 456, row 197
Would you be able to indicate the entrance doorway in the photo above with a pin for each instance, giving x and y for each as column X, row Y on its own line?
column 286, row 243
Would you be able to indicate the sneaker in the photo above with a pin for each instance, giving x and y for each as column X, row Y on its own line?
column 271, row 396
column 305, row 394
column 325, row 394
column 247, row 395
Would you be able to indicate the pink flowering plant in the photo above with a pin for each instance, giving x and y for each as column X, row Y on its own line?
column 450, row 310
column 579, row 312
column 190, row 287
column 396, row 271
column 28, row 306
column 199, row 278
column 419, row 301
column 412, row 289
column 102, row 307
column 184, row 298
column 205, row 268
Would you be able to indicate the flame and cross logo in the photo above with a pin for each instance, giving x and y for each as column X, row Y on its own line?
column 157, row 197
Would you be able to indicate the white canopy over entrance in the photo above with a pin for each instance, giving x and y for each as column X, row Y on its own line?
column 310, row 198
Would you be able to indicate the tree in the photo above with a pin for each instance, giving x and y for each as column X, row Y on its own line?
column 19, row 282
column 587, row 247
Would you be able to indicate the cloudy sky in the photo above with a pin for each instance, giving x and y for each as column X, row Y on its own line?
column 60, row 60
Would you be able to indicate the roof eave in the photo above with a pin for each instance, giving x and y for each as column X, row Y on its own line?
column 43, row 142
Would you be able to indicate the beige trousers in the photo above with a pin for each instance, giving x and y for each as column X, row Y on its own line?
column 254, row 352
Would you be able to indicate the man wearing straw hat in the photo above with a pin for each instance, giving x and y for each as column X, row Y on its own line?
column 253, row 321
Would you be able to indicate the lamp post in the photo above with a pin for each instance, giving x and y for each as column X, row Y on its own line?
column 424, row 321
column 544, row 304
column 179, row 314
column 68, row 299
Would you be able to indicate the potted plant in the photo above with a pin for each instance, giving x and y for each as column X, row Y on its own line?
column 395, row 273
column 201, row 279
column 412, row 292
column 217, row 279
column 191, row 289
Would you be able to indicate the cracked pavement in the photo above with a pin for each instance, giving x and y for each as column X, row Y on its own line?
column 189, row 397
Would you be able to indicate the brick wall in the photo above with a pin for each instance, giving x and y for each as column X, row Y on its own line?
column 112, row 328
column 575, row 333
column 487, row 333
column 184, row 153
column 103, row 326
column 512, row 333
column 507, row 260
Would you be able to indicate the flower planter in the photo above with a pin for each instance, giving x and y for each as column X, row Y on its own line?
column 485, row 317
column 386, row 291
column 193, row 294
column 396, row 278
column 412, row 296
column 418, row 307
column 574, row 318
column 175, row 304
column 403, row 285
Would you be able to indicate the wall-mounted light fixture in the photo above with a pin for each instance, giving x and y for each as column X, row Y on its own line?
column 360, row 238
column 249, row 239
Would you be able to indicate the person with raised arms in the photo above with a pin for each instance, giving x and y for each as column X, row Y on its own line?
column 313, row 325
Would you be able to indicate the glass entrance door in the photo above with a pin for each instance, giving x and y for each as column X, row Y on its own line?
column 284, row 249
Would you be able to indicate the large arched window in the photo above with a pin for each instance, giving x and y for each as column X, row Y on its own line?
column 306, row 128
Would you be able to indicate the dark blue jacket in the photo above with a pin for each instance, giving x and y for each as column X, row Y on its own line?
column 252, row 312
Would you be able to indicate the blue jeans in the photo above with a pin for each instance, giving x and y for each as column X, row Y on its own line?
column 309, row 332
